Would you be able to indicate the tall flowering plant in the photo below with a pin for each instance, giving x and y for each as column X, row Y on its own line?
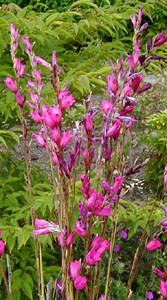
column 103, row 152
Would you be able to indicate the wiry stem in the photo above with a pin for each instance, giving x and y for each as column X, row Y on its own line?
column 5, row 281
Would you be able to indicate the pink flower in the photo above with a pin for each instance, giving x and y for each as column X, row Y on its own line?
column 114, row 131
column 65, row 99
column 136, row 53
column 117, row 184
column 144, row 88
column 106, row 106
column 42, row 62
column 103, row 211
column 90, row 203
column 11, row 84
column 123, row 234
column 149, row 295
column 160, row 39
column 65, row 139
column 34, row 97
column 52, row 116
column 45, row 227
column 136, row 82
column 165, row 178
column 27, row 43
column 88, row 124
column 153, row 245
column 13, row 31
column 116, row 248
column 19, row 67
column 36, row 117
column 80, row 282
column 163, row 289
column 111, row 83
column 19, row 98
column 39, row 139
column 74, row 268
column 79, row 229
column 54, row 59
column 70, row 239
column 159, row 273
column 93, row 257
column 2, row 247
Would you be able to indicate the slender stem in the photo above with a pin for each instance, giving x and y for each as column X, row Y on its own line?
column 113, row 237
column 136, row 258
column 41, row 275
column 9, row 273
column 5, row 280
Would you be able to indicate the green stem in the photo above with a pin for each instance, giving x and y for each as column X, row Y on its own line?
column 5, row 281
column 41, row 275
column 113, row 237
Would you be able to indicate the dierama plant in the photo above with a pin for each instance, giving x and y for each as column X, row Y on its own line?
column 103, row 152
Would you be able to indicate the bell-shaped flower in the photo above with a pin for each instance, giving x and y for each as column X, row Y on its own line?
column 42, row 62
column 106, row 106
column 111, row 82
column 117, row 184
column 36, row 117
column 45, row 227
column 88, row 123
column 114, row 131
column 65, row 139
column 39, row 139
column 74, row 268
column 163, row 289
column 2, row 247
column 52, row 116
column 19, row 67
column 79, row 229
column 65, row 99
column 153, row 245
column 20, row 99
column 80, row 282
column 11, row 84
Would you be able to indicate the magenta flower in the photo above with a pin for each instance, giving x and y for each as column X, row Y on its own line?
column 65, row 99
column 102, row 297
column 102, row 211
column 153, row 245
column 55, row 159
column 13, row 31
column 159, row 273
column 136, row 53
column 75, row 268
column 79, row 229
column 39, row 139
column 149, row 295
column 54, row 59
column 42, row 62
column 45, row 227
column 36, row 117
column 136, row 82
column 116, row 248
column 160, row 39
column 52, row 116
column 19, row 98
column 98, row 247
column 19, row 68
column 111, row 83
column 106, row 106
column 88, row 124
column 144, row 88
column 163, row 289
column 114, row 131
column 56, row 136
column 26, row 42
column 117, row 184
column 65, row 139
column 66, row 241
column 34, row 98
column 11, row 84
column 2, row 247
column 165, row 178
column 123, row 234
column 80, row 282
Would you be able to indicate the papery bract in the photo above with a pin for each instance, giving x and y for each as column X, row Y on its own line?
column 153, row 245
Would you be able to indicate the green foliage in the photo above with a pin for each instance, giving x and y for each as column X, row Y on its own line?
column 157, row 143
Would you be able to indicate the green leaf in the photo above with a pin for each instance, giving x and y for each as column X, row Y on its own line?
column 26, row 288
column 83, row 2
